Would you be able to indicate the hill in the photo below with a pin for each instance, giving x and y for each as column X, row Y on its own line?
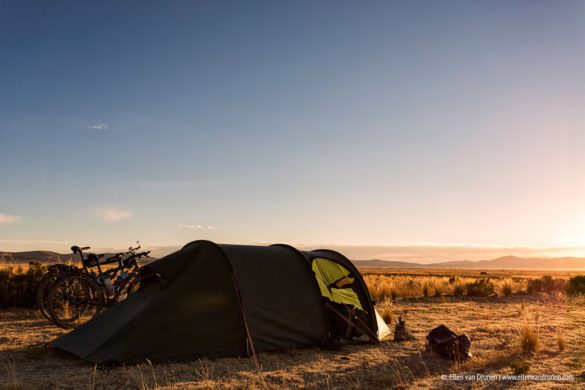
column 505, row 262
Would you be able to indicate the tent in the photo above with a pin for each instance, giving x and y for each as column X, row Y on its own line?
column 219, row 300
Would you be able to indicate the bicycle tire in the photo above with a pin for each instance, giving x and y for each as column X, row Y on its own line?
column 75, row 299
column 42, row 293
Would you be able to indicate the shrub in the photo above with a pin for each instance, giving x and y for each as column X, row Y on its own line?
column 425, row 290
column 576, row 285
column 520, row 367
column 534, row 286
column 458, row 290
column 480, row 288
column 507, row 289
column 18, row 288
column 546, row 284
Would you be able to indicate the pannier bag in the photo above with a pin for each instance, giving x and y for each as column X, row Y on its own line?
column 447, row 344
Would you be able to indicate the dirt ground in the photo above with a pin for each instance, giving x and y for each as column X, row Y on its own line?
column 28, row 362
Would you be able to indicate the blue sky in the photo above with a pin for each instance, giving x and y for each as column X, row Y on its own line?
column 452, row 123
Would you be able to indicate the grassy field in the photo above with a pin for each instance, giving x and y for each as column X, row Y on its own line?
column 531, row 333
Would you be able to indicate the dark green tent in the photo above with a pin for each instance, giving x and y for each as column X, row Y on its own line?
column 217, row 300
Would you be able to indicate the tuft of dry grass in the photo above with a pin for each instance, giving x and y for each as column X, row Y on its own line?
column 520, row 367
column 12, row 383
column 399, row 376
column 387, row 316
column 561, row 341
column 529, row 338
column 91, row 384
column 506, row 287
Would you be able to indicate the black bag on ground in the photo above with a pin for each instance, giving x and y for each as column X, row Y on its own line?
column 447, row 344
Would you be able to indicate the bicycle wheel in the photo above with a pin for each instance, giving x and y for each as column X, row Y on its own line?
column 43, row 293
column 75, row 299
column 130, row 287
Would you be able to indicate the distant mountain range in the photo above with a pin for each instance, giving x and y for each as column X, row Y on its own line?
column 506, row 262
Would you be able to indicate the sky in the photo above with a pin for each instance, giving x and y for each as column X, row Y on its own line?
column 452, row 126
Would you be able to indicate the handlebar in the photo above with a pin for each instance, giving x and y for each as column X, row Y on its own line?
column 130, row 249
column 93, row 260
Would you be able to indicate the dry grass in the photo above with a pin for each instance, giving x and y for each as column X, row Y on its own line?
column 389, row 287
column 529, row 338
column 507, row 287
column 391, row 284
column 490, row 323
column 387, row 316
column 520, row 367
column 496, row 326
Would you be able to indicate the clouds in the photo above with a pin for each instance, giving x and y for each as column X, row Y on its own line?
column 99, row 126
column 198, row 227
column 6, row 219
column 33, row 242
column 112, row 214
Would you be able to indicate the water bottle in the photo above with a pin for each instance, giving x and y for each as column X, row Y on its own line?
column 120, row 280
column 109, row 286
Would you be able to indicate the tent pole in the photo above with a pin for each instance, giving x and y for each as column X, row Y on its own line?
column 372, row 338
column 248, row 335
column 371, row 335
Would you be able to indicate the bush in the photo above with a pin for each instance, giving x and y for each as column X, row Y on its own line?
column 520, row 367
column 546, row 284
column 480, row 288
column 576, row 285
column 18, row 288
column 458, row 290
column 507, row 289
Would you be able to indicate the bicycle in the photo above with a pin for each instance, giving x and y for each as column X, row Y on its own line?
column 54, row 272
column 78, row 297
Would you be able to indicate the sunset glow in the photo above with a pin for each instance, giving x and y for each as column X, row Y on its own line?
column 401, row 130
